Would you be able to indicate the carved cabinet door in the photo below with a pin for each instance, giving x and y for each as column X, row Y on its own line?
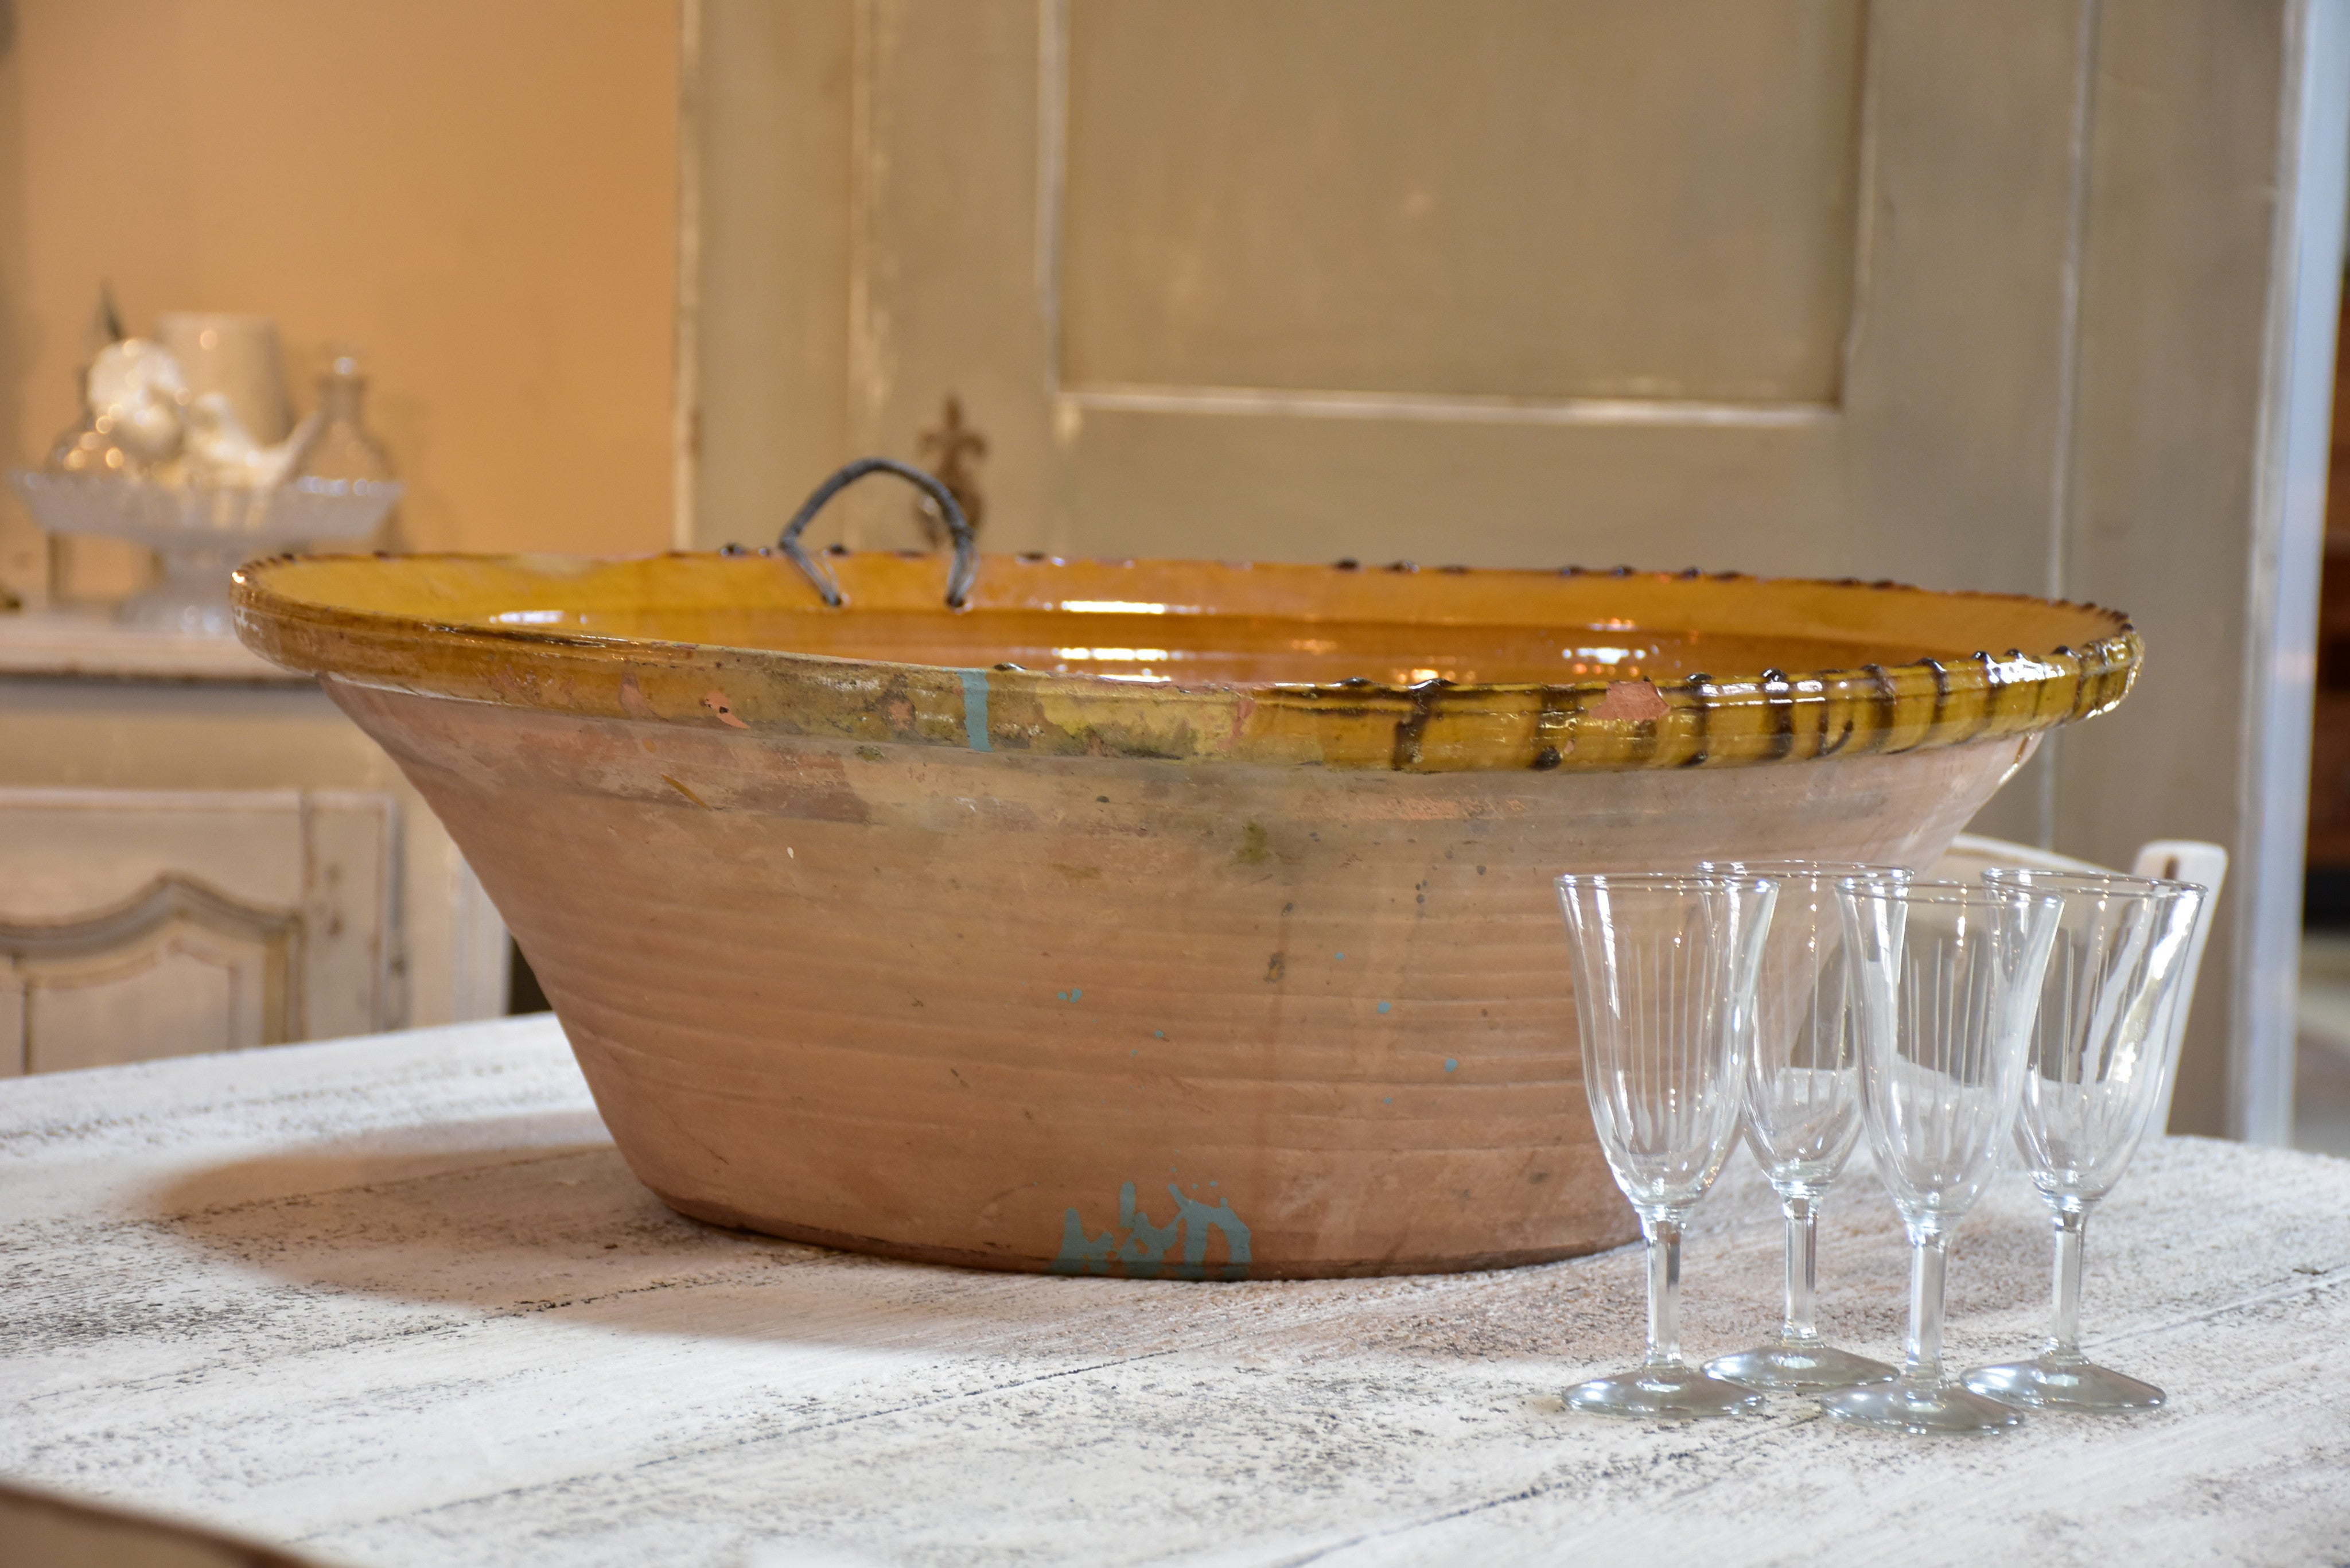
column 137, row 925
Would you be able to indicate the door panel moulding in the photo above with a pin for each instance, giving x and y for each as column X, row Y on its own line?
column 1051, row 199
column 1255, row 400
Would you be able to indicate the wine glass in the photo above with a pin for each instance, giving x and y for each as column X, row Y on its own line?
column 1664, row 969
column 1803, row 1107
column 2101, row 1050
column 1947, row 976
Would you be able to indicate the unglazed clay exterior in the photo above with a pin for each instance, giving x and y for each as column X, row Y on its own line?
column 1037, row 969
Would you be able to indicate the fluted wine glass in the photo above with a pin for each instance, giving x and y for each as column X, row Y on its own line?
column 1664, row 967
column 1803, row 1107
column 2101, row 1050
column 1947, row 975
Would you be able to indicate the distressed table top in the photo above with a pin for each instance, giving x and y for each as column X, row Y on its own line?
column 397, row 1300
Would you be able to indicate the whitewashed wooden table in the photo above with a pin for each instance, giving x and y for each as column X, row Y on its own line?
column 397, row 1300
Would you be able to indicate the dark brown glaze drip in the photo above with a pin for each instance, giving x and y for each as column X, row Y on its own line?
column 1828, row 746
column 1779, row 699
column 1991, row 692
column 1554, row 723
column 1413, row 727
column 1887, row 703
column 1941, row 692
column 1701, row 719
column 2084, row 685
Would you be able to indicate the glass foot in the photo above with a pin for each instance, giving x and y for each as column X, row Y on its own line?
column 2044, row 1383
column 1922, row 1410
column 1678, row 1393
column 1798, row 1367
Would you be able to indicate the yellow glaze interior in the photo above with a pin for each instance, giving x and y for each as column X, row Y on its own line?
column 1202, row 662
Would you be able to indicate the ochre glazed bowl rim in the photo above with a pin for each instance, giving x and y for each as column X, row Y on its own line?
column 405, row 623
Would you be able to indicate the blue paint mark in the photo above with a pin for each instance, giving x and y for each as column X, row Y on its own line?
column 1142, row 1249
column 1388, row 1101
column 1135, row 1053
column 1158, row 1035
column 1451, row 1064
column 1385, row 1005
column 1075, row 994
column 1341, row 957
column 974, row 708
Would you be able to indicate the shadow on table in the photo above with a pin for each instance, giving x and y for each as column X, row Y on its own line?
column 522, row 1215
column 539, row 1214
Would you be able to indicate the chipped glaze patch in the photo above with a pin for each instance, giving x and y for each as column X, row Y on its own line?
column 1138, row 1249
column 1633, row 700
column 715, row 701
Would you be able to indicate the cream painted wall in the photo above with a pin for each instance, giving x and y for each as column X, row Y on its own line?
column 482, row 196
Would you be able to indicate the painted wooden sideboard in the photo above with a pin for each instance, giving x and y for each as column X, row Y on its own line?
column 199, row 853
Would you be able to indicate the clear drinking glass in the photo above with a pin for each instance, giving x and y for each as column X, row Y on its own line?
column 1664, row 969
column 1947, row 976
column 1803, row 1105
column 2101, row 1050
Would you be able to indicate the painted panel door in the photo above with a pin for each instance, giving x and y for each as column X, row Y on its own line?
column 1508, row 282
column 2019, row 294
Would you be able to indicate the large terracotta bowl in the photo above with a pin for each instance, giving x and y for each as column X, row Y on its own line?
column 1145, row 917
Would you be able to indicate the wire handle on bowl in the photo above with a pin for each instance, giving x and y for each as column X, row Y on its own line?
column 966, row 552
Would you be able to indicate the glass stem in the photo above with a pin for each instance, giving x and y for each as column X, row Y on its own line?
column 1664, row 1234
column 2065, row 1333
column 1921, row 1362
column 1802, row 1211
